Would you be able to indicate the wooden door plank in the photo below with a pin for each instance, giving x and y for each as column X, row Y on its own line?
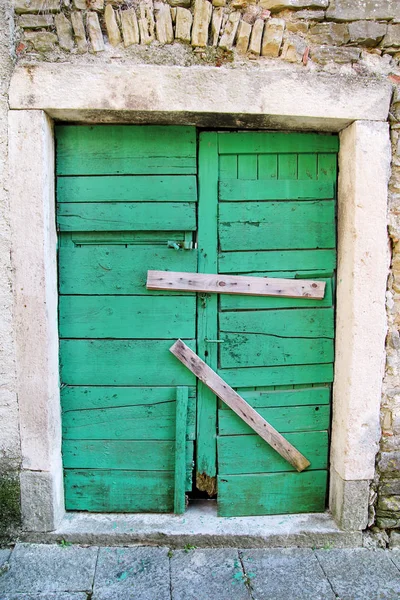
column 287, row 166
column 239, row 454
column 285, row 397
column 125, row 149
column 247, row 166
column 247, row 189
column 276, row 225
column 307, row 166
column 277, row 260
column 140, row 188
column 327, row 167
column 238, row 405
column 304, row 322
column 271, row 493
column 267, row 166
column 121, row 362
column 288, row 375
column 123, row 216
column 206, row 448
column 228, row 166
column 230, row 284
column 180, row 450
column 284, row 419
column 262, row 142
column 145, row 317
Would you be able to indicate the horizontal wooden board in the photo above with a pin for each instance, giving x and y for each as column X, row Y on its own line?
column 259, row 142
column 149, row 317
column 291, row 397
column 86, row 397
column 115, row 269
column 117, row 362
column 120, row 238
column 141, row 422
column 228, row 284
column 276, row 225
column 277, row 260
column 140, row 188
column 118, row 490
column 133, row 216
column 135, row 455
column 124, row 149
column 271, row 494
column 250, row 454
column 304, row 322
column 227, row 302
column 289, row 375
column 258, row 350
column 288, row 189
column 284, row 419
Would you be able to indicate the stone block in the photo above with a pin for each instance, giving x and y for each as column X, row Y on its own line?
column 176, row 3
column 49, row 568
column 113, row 33
column 311, row 15
column 243, row 37
column 389, row 506
column 367, row 574
column 130, row 573
column 35, row 21
column 330, row 34
column 349, row 502
column 357, row 10
column 201, row 22
column 164, row 30
column 301, row 27
column 94, row 32
column 80, row 4
column 212, row 572
column 218, row 3
column 273, row 37
column 79, row 32
column 229, row 33
column 326, row 54
column 367, row 33
column 394, row 542
column 293, row 49
column 277, row 5
column 275, row 570
column 392, row 38
column 64, row 32
column 183, row 26
column 387, row 523
column 42, row 41
column 216, row 24
column 256, row 37
column 36, row 6
column 389, row 463
column 130, row 27
column 146, row 24
column 97, row 5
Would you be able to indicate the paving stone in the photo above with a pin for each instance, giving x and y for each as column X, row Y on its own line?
column 132, row 573
column 359, row 574
column 294, row 570
column 56, row 596
column 4, row 555
column 209, row 573
column 49, row 568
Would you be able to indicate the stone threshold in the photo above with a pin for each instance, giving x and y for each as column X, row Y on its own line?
column 201, row 527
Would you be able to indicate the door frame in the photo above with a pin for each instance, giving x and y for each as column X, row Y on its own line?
column 215, row 98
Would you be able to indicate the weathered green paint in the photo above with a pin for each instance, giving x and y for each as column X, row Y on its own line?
column 289, row 189
column 146, row 317
column 281, row 260
column 285, row 397
column 289, row 375
column 271, row 493
column 180, row 450
column 305, row 322
column 259, row 142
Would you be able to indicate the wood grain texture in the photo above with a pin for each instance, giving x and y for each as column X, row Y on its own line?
column 239, row 454
column 123, row 149
column 146, row 317
column 276, row 225
column 288, row 375
column 285, row 397
column 238, row 405
column 289, row 189
column 231, row 284
column 180, row 450
column 262, row 142
column 271, row 493
column 123, row 216
column 139, row 188
column 277, row 260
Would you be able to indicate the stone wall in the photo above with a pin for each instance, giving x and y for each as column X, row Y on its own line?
column 343, row 36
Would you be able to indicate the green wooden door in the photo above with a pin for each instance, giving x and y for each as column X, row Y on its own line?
column 126, row 198
column 131, row 199
column 271, row 202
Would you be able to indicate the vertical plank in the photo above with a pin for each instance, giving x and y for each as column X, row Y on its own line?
column 207, row 311
column 247, row 166
column 180, row 449
column 268, row 166
column 327, row 165
column 307, row 164
column 287, row 166
column 228, row 166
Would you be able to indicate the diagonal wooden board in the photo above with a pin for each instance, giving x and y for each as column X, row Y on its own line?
column 235, row 284
column 239, row 405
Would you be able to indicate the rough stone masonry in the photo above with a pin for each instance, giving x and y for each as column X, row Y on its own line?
column 333, row 36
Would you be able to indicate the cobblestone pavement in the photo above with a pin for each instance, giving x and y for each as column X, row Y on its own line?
column 68, row 572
